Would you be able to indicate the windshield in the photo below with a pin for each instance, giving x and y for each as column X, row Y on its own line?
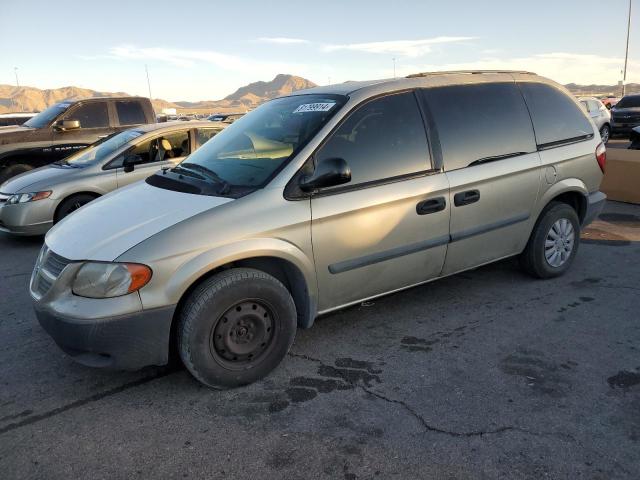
column 632, row 101
column 103, row 149
column 44, row 118
column 254, row 147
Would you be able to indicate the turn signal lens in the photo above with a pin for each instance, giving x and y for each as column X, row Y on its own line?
column 601, row 156
column 140, row 276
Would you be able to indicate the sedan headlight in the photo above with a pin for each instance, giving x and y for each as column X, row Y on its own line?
column 106, row 280
column 28, row 197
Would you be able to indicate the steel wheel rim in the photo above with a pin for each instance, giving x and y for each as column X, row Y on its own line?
column 559, row 243
column 243, row 334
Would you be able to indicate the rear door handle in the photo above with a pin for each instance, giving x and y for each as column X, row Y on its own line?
column 431, row 205
column 465, row 198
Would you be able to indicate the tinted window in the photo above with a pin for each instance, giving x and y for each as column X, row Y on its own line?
column 205, row 134
column 475, row 122
column 556, row 117
column 130, row 112
column 90, row 115
column 593, row 106
column 383, row 138
column 630, row 101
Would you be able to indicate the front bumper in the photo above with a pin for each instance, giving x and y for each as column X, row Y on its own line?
column 595, row 204
column 31, row 218
column 127, row 342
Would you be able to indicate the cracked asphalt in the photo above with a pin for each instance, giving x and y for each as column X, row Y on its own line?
column 486, row 374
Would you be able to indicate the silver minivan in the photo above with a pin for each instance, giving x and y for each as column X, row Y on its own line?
column 313, row 202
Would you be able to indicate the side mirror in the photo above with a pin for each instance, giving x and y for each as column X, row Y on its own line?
column 65, row 125
column 328, row 173
column 129, row 163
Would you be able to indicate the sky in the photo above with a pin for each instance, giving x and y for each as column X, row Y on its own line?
column 205, row 50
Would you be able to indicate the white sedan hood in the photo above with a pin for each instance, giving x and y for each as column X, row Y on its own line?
column 109, row 226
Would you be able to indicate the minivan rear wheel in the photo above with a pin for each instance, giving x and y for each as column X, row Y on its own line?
column 553, row 243
column 236, row 327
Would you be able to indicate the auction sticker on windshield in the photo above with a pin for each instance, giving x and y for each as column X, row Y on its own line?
column 314, row 107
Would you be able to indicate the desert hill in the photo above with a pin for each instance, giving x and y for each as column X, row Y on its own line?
column 245, row 98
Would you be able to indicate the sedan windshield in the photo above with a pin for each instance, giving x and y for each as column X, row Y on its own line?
column 251, row 150
column 103, row 149
column 44, row 118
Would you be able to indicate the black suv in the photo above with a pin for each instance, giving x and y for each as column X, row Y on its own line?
column 625, row 115
column 65, row 128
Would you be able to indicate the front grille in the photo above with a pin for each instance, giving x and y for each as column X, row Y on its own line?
column 46, row 271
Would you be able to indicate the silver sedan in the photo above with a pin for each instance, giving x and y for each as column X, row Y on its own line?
column 31, row 203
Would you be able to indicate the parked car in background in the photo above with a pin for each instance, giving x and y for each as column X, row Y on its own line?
column 225, row 117
column 216, row 255
column 635, row 139
column 625, row 115
column 609, row 101
column 599, row 114
column 66, row 127
column 11, row 119
column 31, row 203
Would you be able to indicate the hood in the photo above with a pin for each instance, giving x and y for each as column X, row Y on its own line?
column 36, row 180
column 109, row 226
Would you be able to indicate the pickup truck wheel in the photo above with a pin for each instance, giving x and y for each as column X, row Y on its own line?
column 553, row 243
column 71, row 204
column 12, row 170
column 236, row 327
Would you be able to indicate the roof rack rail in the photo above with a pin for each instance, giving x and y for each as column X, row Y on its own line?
column 466, row 72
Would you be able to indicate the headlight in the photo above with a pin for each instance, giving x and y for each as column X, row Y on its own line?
column 105, row 280
column 28, row 197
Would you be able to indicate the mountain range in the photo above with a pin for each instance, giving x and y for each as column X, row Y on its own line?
column 32, row 99
column 245, row 98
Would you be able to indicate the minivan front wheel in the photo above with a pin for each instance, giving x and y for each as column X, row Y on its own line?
column 236, row 327
column 553, row 243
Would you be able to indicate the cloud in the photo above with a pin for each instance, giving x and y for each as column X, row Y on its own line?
column 188, row 58
column 562, row 67
column 406, row 48
column 282, row 40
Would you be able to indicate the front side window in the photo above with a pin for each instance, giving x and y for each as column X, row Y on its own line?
column 130, row 112
column 249, row 151
column 160, row 149
column 556, row 117
column 481, row 122
column 90, row 115
column 382, row 139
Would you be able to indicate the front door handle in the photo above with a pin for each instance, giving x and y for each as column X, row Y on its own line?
column 465, row 198
column 431, row 205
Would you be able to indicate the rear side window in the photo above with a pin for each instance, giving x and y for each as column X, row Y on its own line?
column 383, row 138
column 90, row 115
column 130, row 112
column 478, row 122
column 203, row 135
column 556, row 118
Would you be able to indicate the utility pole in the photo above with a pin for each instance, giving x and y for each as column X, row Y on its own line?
column 148, row 82
column 394, row 67
column 15, row 71
column 626, row 54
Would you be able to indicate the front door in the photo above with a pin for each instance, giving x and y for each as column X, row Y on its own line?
column 387, row 228
column 165, row 150
column 94, row 125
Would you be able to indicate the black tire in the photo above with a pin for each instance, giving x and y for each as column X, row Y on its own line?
column 71, row 204
column 605, row 134
column 12, row 170
column 211, row 341
column 533, row 259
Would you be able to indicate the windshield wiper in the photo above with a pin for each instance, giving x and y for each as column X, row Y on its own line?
column 210, row 174
column 493, row 158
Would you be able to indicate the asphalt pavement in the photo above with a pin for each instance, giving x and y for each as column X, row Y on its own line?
column 486, row 374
